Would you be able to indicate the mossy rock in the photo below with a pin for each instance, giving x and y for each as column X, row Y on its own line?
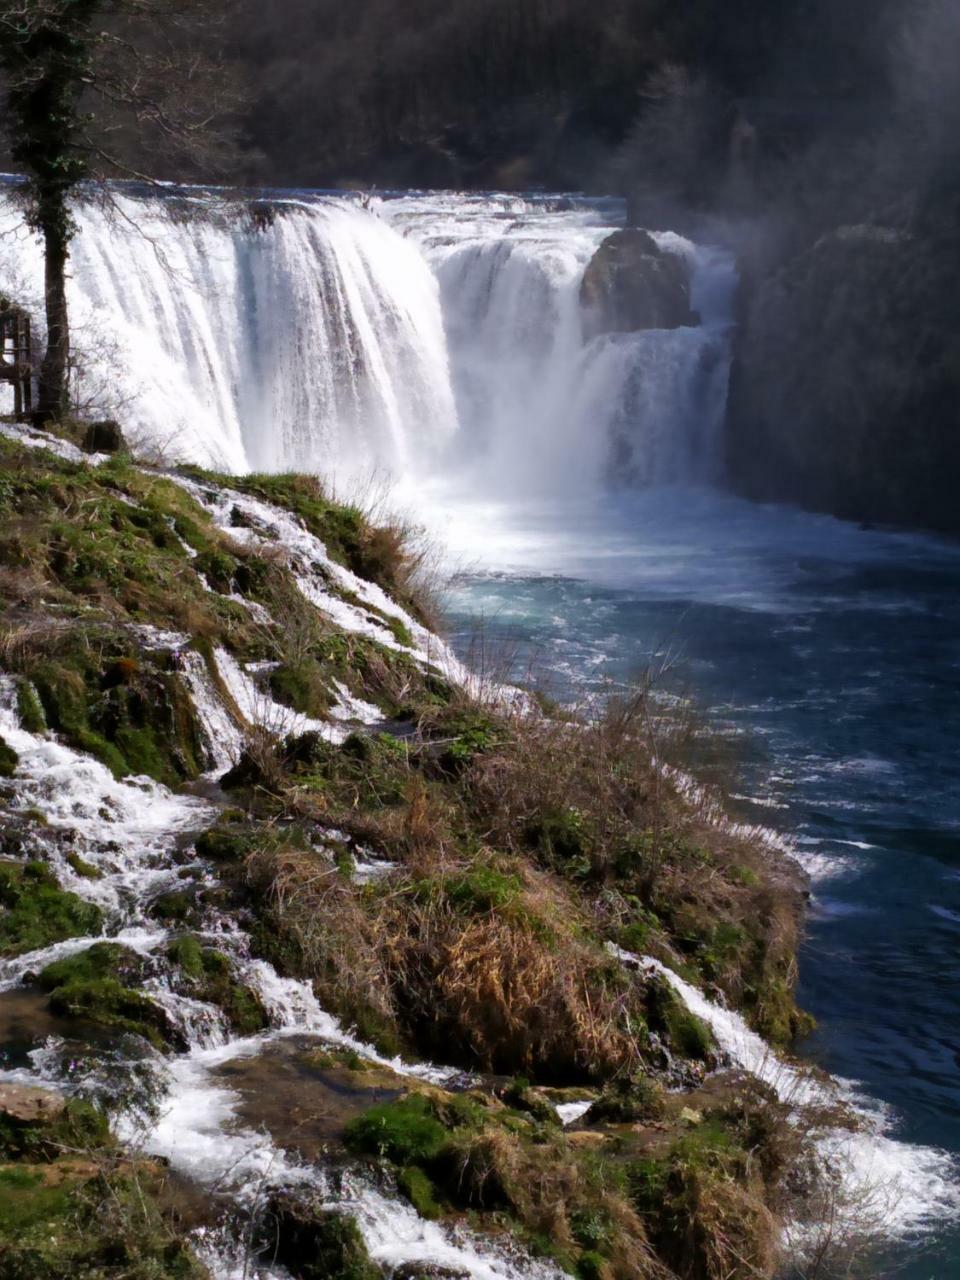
column 85, row 870
column 102, row 960
column 315, row 1243
column 418, row 1188
column 686, row 1034
column 174, row 907
column 223, row 843
column 135, row 719
column 627, row 1101
column 30, row 709
column 37, row 912
column 77, row 1126
column 303, row 687
column 406, row 1132
column 9, row 760
column 209, row 977
column 95, row 987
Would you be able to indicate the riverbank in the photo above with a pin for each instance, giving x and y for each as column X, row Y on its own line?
column 271, row 851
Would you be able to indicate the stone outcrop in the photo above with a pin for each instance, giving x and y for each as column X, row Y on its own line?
column 845, row 394
column 632, row 284
column 27, row 1106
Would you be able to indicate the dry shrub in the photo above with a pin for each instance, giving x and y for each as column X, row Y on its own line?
column 510, row 988
column 589, row 800
column 728, row 1233
column 315, row 925
column 547, row 1187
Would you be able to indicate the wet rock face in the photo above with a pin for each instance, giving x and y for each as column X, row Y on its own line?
column 29, row 1106
column 631, row 284
column 845, row 392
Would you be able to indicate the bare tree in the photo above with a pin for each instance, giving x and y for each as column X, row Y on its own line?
column 78, row 74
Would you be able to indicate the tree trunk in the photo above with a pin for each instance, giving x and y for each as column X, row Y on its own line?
column 53, row 397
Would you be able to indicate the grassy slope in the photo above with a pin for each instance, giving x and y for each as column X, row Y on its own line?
column 521, row 847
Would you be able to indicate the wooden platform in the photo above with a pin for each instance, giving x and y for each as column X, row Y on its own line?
column 16, row 355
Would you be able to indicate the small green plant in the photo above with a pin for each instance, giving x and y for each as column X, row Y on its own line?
column 406, row 1132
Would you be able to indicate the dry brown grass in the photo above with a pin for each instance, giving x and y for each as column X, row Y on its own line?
column 547, row 1187
column 519, row 987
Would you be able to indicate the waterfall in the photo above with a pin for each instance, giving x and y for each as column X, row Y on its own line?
column 424, row 337
column 308, row 338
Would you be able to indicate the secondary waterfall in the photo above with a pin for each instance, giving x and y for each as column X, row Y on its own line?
column 426, row 336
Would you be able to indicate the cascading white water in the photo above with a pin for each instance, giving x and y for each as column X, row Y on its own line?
column 311, row 339
column 541, row 408
column 428, row 337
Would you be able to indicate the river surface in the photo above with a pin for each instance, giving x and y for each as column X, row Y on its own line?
column 833, row 653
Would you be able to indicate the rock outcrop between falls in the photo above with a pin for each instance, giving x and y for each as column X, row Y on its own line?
column 632, row 284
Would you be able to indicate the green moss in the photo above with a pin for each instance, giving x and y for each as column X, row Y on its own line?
column 102, row 960
column 324, row 1246
column 95, row 986
column 85, row 870
column 136, row 720
column 406, row 1132
column 219, row 568
column 686, row 1034
column 8, row 760
column 107, row 1003
column 301, row 686
column 38, row 913
column 223, row 844
column 175, row 907
column 210, row 977
column 29, row 708
column 420, row 1191
column 627, row 1101
column 188, row 955
column 399, row 630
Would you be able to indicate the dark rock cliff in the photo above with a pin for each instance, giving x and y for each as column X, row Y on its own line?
column 845, row 394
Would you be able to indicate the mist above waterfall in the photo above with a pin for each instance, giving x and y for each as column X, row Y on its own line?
column 429, row 337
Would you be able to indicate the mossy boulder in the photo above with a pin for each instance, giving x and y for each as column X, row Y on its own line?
column 97, row 987
column 207, row 975
column 406, row 1132
column 315, row 1243
column 38, row 1125
column 37, row 912
column 686, row 1034
column 628, row 1100
column 8, row 760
